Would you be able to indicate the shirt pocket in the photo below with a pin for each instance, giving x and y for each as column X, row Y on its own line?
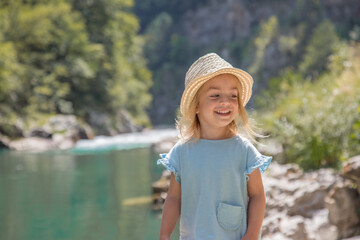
column 230, row 217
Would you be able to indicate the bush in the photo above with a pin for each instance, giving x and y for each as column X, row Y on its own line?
column 317, row 122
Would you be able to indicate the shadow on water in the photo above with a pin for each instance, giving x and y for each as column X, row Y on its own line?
column 72, row 195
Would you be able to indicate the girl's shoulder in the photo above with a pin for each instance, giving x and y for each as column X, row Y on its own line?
column 243, row 141
column 177, row 146
column 236, row 141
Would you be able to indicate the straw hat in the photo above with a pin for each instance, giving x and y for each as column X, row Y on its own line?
column 207, row 67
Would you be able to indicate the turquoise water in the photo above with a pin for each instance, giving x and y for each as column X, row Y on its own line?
column 78, row 195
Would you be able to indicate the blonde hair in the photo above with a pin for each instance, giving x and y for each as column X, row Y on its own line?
column 188, row 124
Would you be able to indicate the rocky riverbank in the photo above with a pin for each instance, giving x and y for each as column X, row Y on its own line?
column 66, row 131
column 59, row 132
column 62, row 131
column 317, row 205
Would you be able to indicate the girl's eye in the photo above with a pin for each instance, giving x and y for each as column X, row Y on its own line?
column 215, row 96
column 234, row 96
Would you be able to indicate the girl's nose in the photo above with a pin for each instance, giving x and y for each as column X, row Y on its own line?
column 225, row 99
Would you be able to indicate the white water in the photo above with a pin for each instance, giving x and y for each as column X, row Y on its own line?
column 127, row 140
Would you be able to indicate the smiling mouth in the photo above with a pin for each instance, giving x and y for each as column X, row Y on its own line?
column 223, row 113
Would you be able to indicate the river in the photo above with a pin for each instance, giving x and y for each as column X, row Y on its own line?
column 102, row 191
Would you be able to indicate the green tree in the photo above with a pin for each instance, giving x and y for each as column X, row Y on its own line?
column 53, row 49
column 122, row 73
column 317, row 122
column 267, row 33
column 321, row 45
column 57, row 58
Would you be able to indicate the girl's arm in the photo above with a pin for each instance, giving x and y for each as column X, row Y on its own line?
column 256, row 207
column 171, row 211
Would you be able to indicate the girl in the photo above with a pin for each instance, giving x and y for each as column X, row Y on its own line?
column 215, row 186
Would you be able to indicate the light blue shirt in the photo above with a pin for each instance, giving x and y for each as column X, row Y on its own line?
column 213, row 176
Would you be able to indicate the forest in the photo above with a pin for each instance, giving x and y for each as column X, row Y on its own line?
column 117, row 58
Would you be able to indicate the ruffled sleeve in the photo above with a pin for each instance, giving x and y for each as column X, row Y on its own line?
column 254, row 160
column 171, row 161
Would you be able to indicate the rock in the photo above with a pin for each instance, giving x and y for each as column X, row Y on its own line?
column 105, row 124
column 271, row 147
column 164, row 146
column 60, row 131
column 77, row 133
column 319, row 228
column 160, row 189
column 4, row 142
column 291, row 193
column 293, row 227
column 307, row 200
column 125, row 123
column 33, row 144
column 288, row 188
column 162, row 185
column 351, row 170
column 272, row 221
column 68, row 126
column 352, row 238
column 291, row 171
column 277, row 236
column 3, row 145
column 310, row 196
column 62, row 141
column 11, row 130
column 40, row 132
column 343, row 204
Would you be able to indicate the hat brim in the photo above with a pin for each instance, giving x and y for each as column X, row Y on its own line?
column 244, row 78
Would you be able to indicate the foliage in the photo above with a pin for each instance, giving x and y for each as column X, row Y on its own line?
column 71, row 57
column 148, row 10
column 268, row 31
column 158, row 36
column 321, row 45
column 318, row 122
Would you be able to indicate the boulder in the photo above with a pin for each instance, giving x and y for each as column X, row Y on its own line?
column 308, row 200
column 272, row 221
column 297, row 198
column 12, row 130
column 294, row 228
column 319, row 228
column 106, row 124
column 352, row 238
column 160, row 189
column 343, row 204
column 4, row 142
column 40, row 132
column 310, row 197
column 60, row 131
column 162, row 185
column 33, row 144
column 277, row 236
column 279, row 171
column 288, row 188
column 351, row 170
column 163, row 146
column 68, row 125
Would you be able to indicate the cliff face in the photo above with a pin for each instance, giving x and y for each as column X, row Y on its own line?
column 224, row 21
column 242, row 32
column 236, row 20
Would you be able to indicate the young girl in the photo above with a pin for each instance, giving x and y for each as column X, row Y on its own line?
column 215, row 186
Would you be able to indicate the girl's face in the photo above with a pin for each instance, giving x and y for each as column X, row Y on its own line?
column 218, row 105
